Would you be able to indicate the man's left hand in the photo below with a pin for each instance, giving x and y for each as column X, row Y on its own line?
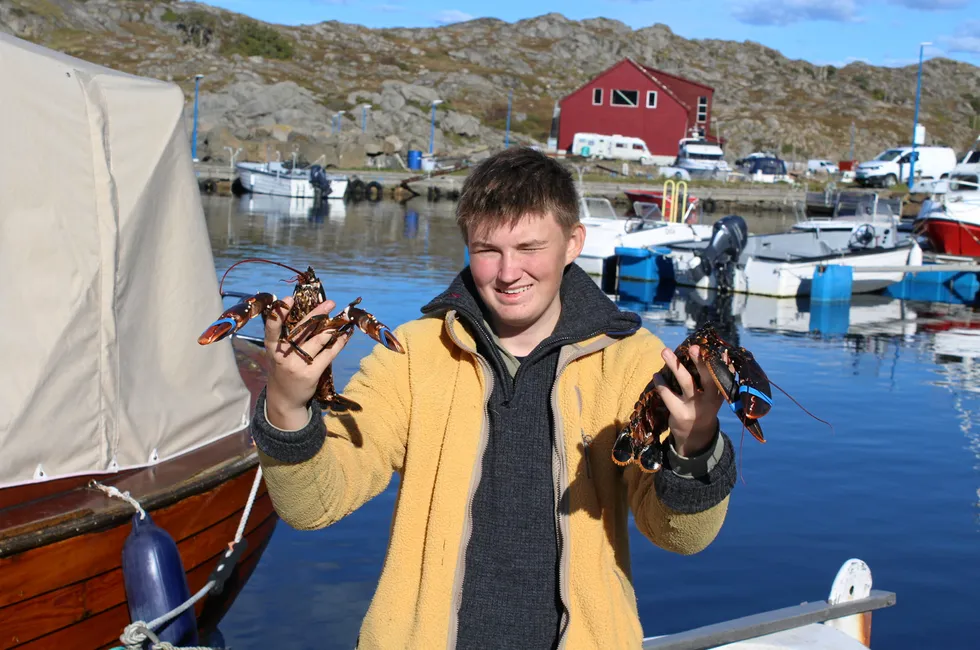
column 693, row 414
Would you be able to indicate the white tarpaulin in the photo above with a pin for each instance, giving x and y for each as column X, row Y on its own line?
column 106, row 275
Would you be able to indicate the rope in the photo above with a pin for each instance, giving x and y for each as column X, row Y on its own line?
column 113, row 491
column 138, row 632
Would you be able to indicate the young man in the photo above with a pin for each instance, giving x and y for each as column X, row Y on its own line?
column 510, row 529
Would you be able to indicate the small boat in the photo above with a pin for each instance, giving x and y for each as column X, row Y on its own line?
column 783, row 264
column 605, row 231
column 950, row 220
column 851, row 209
column 841, row 622
column 282, row 179
column 111, row 409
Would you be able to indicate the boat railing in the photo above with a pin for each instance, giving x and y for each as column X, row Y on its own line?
column 778, row 620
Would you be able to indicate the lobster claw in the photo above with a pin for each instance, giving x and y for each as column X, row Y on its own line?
column 235, row 317
column 374, row 328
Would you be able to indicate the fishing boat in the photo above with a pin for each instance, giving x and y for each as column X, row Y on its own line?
column 281, row 179
column 851, row 209
column 113, row 417
column 783, row 264
column 950, row 220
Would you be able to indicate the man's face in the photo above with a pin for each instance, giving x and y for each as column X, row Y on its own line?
column 518, row 270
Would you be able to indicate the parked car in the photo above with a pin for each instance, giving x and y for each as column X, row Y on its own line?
column 611, row 147
column 818, row 166
column 892, row 166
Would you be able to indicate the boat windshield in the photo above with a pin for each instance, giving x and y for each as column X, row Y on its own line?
column 889, row 155
column 596, row 208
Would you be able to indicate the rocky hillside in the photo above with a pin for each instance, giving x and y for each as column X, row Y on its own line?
column 272, row 87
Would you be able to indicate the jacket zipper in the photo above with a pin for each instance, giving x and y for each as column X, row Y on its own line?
column 560, row 473
column 477, row 471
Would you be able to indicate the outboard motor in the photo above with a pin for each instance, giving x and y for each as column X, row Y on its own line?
column 728, row 238
column 318, row 178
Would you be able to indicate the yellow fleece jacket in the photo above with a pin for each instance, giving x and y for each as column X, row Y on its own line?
column 424, row 417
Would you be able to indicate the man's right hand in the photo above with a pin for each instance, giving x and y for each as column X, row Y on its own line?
column 292, row 381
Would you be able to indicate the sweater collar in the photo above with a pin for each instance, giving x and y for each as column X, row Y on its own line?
column 585, row 310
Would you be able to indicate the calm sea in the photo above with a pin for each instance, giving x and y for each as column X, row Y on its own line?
column 894, row 484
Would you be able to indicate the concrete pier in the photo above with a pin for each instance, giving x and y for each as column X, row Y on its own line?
column 743, row 197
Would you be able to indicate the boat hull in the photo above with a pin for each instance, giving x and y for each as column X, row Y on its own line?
column 951, row 236
column 779, row 279
column 61, row 582
column 256, row 180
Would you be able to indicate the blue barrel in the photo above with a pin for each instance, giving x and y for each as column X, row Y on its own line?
column 414, row 159
column 155, row 582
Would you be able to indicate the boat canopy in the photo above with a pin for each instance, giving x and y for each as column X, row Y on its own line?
column 107, row 275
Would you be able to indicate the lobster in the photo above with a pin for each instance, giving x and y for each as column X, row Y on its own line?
column 307, row 295
column 746, row 390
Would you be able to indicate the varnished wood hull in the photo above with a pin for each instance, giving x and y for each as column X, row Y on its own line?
column 61, row 584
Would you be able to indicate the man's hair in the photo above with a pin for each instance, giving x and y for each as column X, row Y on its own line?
column 513, row 184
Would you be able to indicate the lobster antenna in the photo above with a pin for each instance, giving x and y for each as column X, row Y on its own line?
column 741, row 472
column 802, row 408
column 221, row 284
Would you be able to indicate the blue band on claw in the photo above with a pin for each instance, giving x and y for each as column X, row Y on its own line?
column 752, row 391
column 230, row 321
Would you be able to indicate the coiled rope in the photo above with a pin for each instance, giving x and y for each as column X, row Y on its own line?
column 138, row 632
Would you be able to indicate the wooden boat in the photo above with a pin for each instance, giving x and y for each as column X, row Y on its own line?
column 108, row 265
column 61, row 581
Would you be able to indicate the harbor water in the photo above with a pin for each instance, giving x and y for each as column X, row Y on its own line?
column 895, row 482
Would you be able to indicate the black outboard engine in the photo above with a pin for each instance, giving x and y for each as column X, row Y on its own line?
column 728, row 239
column 318, row 178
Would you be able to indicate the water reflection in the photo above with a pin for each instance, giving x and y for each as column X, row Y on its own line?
column 898, row 379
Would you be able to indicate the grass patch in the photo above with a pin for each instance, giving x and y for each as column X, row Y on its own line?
column 251, row 38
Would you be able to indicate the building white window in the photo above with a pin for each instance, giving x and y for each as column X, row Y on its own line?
column 702, row 109
column 651, row 99
column 625, row 98
column 597, row 96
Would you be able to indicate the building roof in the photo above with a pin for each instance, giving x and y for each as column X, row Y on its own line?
column 646, row 72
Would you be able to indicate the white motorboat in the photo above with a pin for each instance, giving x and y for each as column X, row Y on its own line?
column 702, row 158
column 783, row 264
column 279, row 179
column 851, row 209
column 605, row 231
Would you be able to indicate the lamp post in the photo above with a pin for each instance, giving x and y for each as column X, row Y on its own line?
column 364, row 112
column 915, row 120
column 510, row 102
column 197, row 90
column 432, row 131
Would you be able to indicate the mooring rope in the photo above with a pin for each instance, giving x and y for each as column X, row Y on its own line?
column 138, row 632
column 113, row 491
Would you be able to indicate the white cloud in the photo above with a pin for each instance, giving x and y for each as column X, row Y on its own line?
column 966, row 39
column 931, row 5
column 390, row 8
column 766, row 12
column 452, row 16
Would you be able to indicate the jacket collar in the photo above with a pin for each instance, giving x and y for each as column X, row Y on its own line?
column 586, row 311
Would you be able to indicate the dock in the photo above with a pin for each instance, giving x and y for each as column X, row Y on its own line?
column 219, row 179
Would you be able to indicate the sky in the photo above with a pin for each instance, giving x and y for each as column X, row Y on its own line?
column 823, row 32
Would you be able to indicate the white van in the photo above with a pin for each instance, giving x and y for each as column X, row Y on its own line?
column 611, row 147
column 892, row 166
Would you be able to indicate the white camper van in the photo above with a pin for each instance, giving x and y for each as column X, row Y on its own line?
column 611, row 147
column 892, row 166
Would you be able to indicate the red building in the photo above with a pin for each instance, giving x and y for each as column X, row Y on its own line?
column 639, row 101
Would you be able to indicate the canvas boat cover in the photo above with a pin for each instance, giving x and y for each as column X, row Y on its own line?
column 106, row 275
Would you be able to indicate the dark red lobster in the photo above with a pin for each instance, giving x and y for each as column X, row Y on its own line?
column 746, row 390
column 307, row 294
